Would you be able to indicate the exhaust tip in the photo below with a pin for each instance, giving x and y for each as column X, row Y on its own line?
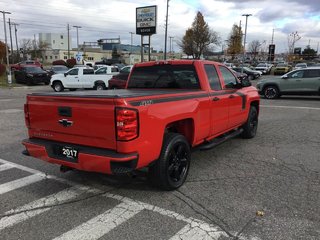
column 64, row 169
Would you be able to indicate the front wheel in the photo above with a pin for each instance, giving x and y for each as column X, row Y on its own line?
column 251, row 126
column 170, row 171
column 58, row 87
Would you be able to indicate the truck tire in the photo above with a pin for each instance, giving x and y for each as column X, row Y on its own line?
column 100, row 86
column 250, row 127
column 170, row 171
column 57, row 86
column 271, row 92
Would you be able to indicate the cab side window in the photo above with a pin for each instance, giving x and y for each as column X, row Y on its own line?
column 297, row 74
column 230, row 81
column 212, row 77
column 73, row 71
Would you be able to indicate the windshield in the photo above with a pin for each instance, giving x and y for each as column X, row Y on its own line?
column 261, row 65
column 33, row 70
column 281, row 65
column 165, row 76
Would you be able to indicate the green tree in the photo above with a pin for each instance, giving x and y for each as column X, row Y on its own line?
column 235, row 41
column 198, row 38
column 309, row 53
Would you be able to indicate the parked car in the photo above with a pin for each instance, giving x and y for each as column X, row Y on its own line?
column 19, row 65
column 120, row 80
column 263, row 67
column 229, row 65
column 56, row 69
column 32, row 75
column 252, row 74
column 240, row 76
column 83, row 77
column 282, row 68
column 300, row 65
column 304, row 81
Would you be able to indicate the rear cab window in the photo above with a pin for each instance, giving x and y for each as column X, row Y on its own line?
column 165, row 76
column 213, row 77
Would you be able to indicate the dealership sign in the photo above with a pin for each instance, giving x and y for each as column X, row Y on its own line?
column 146, row 20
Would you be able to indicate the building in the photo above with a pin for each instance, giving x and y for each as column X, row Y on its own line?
column 55, row 41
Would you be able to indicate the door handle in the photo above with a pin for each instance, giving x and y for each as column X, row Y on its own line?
column 231, row 96
column 215, row 99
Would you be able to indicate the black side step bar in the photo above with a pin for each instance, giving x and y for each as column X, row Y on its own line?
column 219, row 140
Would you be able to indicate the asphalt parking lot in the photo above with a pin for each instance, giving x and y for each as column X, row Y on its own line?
column 264, row 188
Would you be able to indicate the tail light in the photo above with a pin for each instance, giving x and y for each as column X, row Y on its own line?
column 127, row 124
column 26, row 115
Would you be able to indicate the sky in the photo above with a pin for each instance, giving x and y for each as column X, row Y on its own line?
column 116, row 18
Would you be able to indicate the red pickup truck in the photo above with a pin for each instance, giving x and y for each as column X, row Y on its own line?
column 167, row 108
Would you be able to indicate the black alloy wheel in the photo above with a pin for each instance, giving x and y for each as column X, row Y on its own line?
column 271, row 92
column 170, row 171
column 251, row 126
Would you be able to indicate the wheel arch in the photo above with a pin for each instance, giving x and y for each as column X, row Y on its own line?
column 184, row 127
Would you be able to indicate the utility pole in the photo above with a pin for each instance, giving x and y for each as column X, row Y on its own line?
column 11, row 53
column 7, row 52
column 77, row 27
column 15, row 30
column 68, row 28
column 131, row 33
column 166, row 33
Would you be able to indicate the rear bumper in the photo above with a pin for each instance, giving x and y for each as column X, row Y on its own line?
column 89, row 158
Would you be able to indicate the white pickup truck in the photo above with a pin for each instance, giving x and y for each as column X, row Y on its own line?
column 83, row 77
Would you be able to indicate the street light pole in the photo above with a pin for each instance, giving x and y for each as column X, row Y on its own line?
column 77, row 27
column 245, row 38
column 7, row 51
column 166, row 33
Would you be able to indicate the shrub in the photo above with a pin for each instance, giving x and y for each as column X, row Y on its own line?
column 71, row 62
column 2, row 69
column 59, row 62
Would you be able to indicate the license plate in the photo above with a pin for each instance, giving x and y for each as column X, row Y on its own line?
column 69, row 152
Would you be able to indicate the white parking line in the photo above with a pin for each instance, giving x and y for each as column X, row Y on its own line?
column 19, row 183
column 290, row 107
column 6, row 100
column 4, row 167
column 100, row 225
column 25, row 212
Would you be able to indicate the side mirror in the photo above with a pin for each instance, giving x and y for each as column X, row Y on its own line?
column 285, row 77
column 65, row 74
column 245, row 83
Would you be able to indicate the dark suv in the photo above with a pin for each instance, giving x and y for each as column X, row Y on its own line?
column 304, row 81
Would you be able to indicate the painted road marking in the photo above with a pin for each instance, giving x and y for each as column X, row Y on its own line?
column 4, row 167
column 6, row 100
column 291, row 107
column 19, row 183
column 25, row 212
column 11, row 111
column 100, row 225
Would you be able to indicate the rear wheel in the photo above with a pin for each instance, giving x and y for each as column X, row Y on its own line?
column 271, row 92
column 170, row 171
column 100, row 86
column 58, row 87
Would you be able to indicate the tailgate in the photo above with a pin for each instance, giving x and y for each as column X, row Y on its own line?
column 83, row 121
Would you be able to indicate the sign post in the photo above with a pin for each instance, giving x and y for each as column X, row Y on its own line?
column 146, row 23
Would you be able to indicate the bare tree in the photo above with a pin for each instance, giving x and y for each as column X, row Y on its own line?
column 292, row 39
column 254, row 48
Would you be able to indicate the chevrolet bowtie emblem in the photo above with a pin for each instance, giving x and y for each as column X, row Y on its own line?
column 65, row 122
